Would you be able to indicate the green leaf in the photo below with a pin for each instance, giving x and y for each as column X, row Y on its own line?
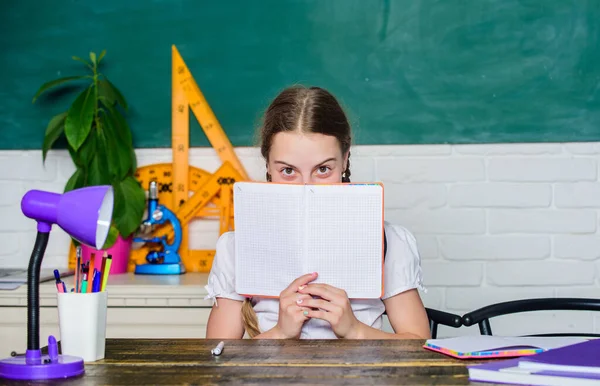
column 113, row 233
column 75, row 157
column 80, row 118
column 53, row 83
column 88, row 64
column 76, row 181
column 101, row 56
column 120, row 125
column 55, row 128
column 107, row 90
column 93, row 58
column 130, row 202
column 86, row 152
column 118, row 155
column 98, row 173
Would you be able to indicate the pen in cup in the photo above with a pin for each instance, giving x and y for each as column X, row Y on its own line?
column 60, row 285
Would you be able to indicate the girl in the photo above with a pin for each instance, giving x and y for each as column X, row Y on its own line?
column 305, row 138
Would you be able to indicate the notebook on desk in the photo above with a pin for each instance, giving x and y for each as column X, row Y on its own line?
column 487, row 346
column 283, row 231
column 576, row 364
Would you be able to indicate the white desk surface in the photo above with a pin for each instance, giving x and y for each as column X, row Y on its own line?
column 129, row 290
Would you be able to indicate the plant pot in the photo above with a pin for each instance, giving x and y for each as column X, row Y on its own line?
column 119, row 252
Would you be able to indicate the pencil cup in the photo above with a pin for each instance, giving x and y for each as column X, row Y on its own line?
column 82, row 324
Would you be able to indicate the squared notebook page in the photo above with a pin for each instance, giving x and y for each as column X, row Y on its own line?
column 344, row 237
column 284, row 231
column 268, row 237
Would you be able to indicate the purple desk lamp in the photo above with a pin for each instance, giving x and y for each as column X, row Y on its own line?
column 85, row 214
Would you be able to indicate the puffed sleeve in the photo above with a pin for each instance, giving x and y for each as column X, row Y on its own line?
column 402, row 267
column 221, row 280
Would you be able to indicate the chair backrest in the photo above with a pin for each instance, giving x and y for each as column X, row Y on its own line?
column 483, row 315
column 437, row 317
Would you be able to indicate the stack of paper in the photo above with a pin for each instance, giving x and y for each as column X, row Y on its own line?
column 577, row 364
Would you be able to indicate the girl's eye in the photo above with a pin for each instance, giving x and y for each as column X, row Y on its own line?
column 288, row 171
column 323, row 169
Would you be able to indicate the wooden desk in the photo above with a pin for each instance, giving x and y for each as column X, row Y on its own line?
column 272, row 362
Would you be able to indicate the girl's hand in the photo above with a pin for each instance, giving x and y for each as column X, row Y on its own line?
column 334, row 307
column 292, row 308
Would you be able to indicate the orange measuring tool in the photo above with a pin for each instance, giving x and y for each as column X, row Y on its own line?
column 212, row 193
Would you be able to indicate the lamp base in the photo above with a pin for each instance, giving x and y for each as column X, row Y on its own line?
column 33, row 365
column 160, row 269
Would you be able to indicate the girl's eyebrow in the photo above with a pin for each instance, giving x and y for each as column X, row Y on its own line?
column 284, row 163
column 292, row 166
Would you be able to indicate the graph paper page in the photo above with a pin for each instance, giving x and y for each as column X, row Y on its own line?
column 268, row 237
column 344, row 237
column 284, row 231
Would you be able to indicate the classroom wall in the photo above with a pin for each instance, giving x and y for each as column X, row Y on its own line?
column 493, row 222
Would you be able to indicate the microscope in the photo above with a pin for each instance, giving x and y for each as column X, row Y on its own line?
column 165, row 261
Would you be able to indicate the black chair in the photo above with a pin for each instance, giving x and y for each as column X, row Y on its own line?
column 437, row 317
column 483, row 315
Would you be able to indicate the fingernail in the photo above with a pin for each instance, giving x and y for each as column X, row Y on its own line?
column 305, row 313
column 314, row 274
column 299, row 301
column 302, row 287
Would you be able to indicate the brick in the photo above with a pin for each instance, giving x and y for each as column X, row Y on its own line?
column 540, row 274
column 362, row 168
column 9, row 246
column 13, row 220
column 494, row 247
column 58, row 244
column 543, row 322
column 12, row 193
column 400, row 150
column 467, row 299
column 582, row 148
column 430, row 170
column 437, row 273
column 427, row 245
column 14, row 261
column 542, row 169
column 581, row 247
column 22, row 166
column 414, row 195
column 500, row 195
column 578, row 292
column 440, row 221
column 507, row 149
column 56, row 186
column 577, row 195
column 541, row 221
column 433, row 298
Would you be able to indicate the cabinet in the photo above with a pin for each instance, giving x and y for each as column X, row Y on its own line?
column 138, row 307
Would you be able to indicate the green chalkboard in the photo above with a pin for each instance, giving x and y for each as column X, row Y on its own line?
column 407, row 71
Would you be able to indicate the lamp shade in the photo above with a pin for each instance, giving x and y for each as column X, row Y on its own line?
column 85, row 214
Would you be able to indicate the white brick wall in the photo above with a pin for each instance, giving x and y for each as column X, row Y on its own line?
column 493, row 222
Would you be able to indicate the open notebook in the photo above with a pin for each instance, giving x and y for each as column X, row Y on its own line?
column 283, row 231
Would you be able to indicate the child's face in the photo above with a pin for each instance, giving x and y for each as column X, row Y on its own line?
column 305, row 158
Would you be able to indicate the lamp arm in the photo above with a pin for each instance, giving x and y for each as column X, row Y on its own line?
column 33, row 290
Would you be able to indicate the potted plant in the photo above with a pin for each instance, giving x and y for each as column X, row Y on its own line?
column 100, row 144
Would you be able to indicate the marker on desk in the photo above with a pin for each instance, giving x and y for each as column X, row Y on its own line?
column 218, row 350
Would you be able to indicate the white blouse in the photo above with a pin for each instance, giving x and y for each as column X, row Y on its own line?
column 402, row 272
